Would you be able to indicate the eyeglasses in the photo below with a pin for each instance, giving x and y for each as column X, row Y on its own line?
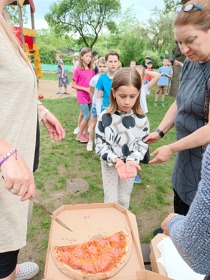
column 187, row 8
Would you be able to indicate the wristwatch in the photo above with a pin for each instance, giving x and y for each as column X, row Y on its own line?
column 160, row 132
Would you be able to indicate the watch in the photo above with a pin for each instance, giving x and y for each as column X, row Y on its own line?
column 160, row 132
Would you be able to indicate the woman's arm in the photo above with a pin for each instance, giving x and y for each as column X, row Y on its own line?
column 198, row 138
column 18, row 178
column 190, row 233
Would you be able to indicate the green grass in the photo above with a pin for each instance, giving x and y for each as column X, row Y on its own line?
column 53, row 76
column 151, row 199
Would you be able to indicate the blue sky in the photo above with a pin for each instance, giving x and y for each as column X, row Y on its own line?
column 142, row 9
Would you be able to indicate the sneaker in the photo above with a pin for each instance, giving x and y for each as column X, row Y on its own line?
column 59, row 93
column 162, row 104
column 65, row 92
column 155, row 103
column 27, row 270
column 82, row 139
column 137, row 179
column 76, row 130
column 89, row 146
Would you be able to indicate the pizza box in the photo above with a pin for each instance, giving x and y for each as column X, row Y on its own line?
column 89, row 220
column 155, row 254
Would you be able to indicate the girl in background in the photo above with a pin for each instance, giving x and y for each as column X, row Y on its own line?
column 101, row 65
column 80, row 81
column 63, row 80
column 120, row 131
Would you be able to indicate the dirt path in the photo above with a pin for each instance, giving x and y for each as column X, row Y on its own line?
column 49, row 89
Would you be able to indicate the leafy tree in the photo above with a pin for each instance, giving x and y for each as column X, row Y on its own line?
column 49, row 46
column 85, row 18
column 12, row 11
column 171, row 4
column 159, row 32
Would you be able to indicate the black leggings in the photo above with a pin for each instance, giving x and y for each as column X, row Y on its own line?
column 8, row 262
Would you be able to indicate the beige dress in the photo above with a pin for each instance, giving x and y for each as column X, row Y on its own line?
column 18, row 117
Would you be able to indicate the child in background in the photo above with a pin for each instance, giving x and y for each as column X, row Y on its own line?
column 120, row 131
column 133, row 64
column 101, row 65
column 80, row 81
column 162, row 85
column 146, row 87
column 63, row 80
column 149, row 64
column 75, row 65
column 75, row 61
column 104, row 83
column 95, row 60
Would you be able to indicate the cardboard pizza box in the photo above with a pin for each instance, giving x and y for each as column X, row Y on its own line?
column 89, row 220
column 155, row 254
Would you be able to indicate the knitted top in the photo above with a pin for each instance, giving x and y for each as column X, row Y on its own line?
column 18, row 120
column 191, row 234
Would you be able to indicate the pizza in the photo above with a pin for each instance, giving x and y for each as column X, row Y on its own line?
column 96, row 259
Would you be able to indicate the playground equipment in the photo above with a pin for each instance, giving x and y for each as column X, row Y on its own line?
column 27, row 36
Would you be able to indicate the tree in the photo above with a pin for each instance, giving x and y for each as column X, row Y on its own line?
column 159, row 32
column 85, row 18
column 170, row 5
column 12, row 11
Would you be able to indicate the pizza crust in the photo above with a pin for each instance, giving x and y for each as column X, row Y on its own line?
column 78, row 275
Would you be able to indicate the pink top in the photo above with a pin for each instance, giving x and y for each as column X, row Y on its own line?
column 82, row 78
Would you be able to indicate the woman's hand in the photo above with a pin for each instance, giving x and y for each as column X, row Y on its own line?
column 161, row 154
column 164, row 224
column 18, row 178
column 53, row 127
column 131, row 168
column 152, row 137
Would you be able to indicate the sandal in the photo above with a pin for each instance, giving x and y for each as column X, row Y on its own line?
column 26, row 270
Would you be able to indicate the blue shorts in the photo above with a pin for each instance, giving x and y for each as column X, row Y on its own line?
column 8, row 262
column 94, row 112
column 85, row 108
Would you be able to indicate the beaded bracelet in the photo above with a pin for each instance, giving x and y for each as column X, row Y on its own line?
column 42, row 114
column 8, row 155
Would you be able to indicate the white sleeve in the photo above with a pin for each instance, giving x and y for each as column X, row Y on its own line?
column 98, row 106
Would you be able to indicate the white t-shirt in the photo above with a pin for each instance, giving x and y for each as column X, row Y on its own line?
column 143, row 101
column 93, row 83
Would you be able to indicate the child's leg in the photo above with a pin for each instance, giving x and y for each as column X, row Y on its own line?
column 157, row 93
column 110, row 183
column 125, row 189
column 83, row 125
column 164, row 90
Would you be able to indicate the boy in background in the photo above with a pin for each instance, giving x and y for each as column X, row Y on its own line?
column 162, row 85
column 104, row 83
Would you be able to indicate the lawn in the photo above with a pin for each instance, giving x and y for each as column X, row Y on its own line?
column 151, row 199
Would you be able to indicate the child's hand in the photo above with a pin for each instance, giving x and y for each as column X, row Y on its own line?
column 131, row 168
column 121, row 170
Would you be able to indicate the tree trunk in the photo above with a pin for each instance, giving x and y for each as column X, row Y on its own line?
column 176, row 71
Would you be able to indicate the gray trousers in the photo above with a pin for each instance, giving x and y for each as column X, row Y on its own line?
column 116, row 190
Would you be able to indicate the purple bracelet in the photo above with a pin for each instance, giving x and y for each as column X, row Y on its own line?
column 8, row 155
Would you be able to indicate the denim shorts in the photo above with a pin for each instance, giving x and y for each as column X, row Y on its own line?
column 8, row 262
column 85, row 108
column 94, row 112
